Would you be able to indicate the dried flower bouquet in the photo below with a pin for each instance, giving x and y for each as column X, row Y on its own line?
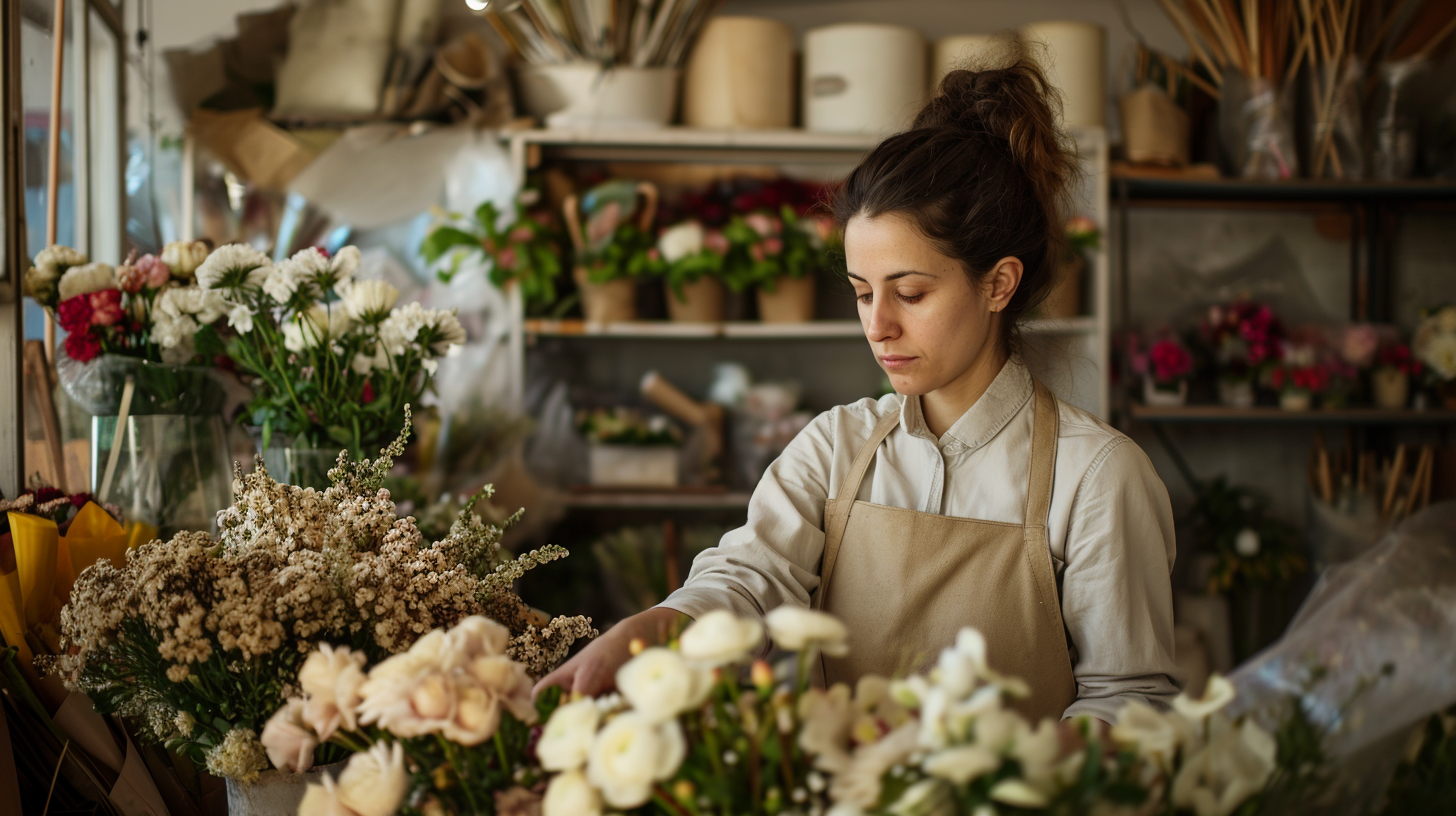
column 202, row 639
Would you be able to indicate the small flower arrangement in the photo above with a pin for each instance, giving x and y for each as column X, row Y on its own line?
column 1252, row 548
column 624, row 426
column 332, row 360
column 1243, row 336
column 612, row 244
column 201, row 639
column 1434, row 345
column 1083, row 235
column 688, row 252
column 526, row 249
column 47, row 502
column 1398, row 357
column 444, row 727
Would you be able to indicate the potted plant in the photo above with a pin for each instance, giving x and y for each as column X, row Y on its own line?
column 1242, row 337
column 611, row 247
column 780, row 253
column 1297, row 385
column 1064, row 300
column 523, row 248
column 1391, row 378
column 690, row 259
column 1435, row 346
column 628, row 450
column 1165, row 369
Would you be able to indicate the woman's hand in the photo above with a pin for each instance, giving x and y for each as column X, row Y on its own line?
column 594, row 669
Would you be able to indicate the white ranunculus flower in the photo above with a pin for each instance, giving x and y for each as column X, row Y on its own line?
column 1234, row 766
column 567, row 738
column 233, row 266
column 369, row 301
column 660, row 684
column 570, row 794
column 240, row 317
column 681, row 241
column 1246, row 543
column 631, row 755
column 720, row 637
column 928, row 797
column 859, row 784
column 827, row 718
column 1152, row 733
column 86, row 279
column 288, row 740
column 962, row 763
column 1018, row 793
column 374, row 782
column 331, row 679
column 184, row 257
column 796, row 628
column 323, row 800
column 1217, row 694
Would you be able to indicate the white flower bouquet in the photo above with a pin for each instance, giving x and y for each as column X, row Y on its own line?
column 332, row 360
column 1435, row 343
column 201, row 639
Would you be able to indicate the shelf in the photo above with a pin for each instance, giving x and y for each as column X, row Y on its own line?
column 753, row 329
column 1219, row 414
column 648, row 500
column 1139, row 189
column 692, row 144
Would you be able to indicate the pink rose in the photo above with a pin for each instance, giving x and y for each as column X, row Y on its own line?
column 106, row 307
column 716, row 242
column 773, row 246
column 507, row 258
column 653, row 254
column 756, row 251
column 765, row 225
column 154, row 271
column 520, row 235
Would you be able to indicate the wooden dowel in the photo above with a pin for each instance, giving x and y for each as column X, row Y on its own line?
column 53, row 152
column 1392, row 482
column 1418, row 478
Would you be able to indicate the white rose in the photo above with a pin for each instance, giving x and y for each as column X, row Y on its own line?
column 631, row 755
column 570, row 794
column 796, row 629
column 184, row 257
column 375, row 782
column 233, row 266
column 566, row 740
column 681, row 241
column 289, row 743
column 1217, row 694
column 1246, row 543
column 369, row 301
column 720, row 637
column 660, row 684
column 323, row 800
column 332, row 678
column 962, row 763
column 86, row 279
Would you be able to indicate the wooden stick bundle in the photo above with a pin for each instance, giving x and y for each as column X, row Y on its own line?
column 637, row 33
column 1349, row 480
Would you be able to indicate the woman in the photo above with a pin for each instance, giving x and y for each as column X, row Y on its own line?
column 972, row 496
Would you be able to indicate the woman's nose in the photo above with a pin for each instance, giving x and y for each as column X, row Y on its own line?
column 881, row 324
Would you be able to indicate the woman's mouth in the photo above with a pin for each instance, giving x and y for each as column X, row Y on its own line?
column 893, row 361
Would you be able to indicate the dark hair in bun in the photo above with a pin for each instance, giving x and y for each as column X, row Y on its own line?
column 983, row 173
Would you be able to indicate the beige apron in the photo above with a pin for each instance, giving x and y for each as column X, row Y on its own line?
column 906, row 582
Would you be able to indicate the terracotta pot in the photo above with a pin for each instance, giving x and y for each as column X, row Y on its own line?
column 1295, row 399
column 1155, row 395
column 791, row 301
column 702, row 301
column 1391, row 388
column 1064, row 301
column 610, row 302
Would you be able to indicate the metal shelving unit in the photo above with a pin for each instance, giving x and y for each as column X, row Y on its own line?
column 752, row 329
column 1219, row 414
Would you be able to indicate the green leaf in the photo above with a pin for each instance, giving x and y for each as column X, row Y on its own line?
column 444, row 239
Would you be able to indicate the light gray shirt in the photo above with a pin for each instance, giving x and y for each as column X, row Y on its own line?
column 1110, row 526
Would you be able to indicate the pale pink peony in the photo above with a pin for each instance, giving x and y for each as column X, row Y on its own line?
column 289, row 742
column 331, row 678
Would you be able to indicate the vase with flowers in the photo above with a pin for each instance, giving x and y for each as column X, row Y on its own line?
column 1242, row 337
column 610, row 228
column 1298, row 385
column 1391, row 378
column 1165, row 369
column 1434, row 344
column 141, row 356
column 521, row 247
column 690, row 260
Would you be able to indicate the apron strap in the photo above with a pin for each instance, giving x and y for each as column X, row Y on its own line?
column 1046, row 425
column 850, row 488
column 836, row 515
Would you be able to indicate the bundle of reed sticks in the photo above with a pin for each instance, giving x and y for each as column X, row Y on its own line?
column 1351, row 481
column 636, row 33
column 1255, row 38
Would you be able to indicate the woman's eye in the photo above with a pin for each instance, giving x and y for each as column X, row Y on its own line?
column 912, row 298
column 864, row 298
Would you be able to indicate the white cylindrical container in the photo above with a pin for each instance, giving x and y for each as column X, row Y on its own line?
column 584, row 94
column 741, row 75
column 1075, row 59
column 863, row 78
column 963, row 51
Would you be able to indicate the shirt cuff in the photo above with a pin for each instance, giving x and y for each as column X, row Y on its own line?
column 1106, row 709
column 698, row 601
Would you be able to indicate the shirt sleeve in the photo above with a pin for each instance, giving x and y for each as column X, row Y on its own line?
column 773, row 559
column 1117, row 596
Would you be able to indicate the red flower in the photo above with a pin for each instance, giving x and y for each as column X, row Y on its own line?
column 74, row 314
column 1170, row 361
column 82, row 346
column 106, row 307
column 368, row 395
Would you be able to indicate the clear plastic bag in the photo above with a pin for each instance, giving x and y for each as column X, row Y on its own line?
column 1370, row 654
column 98, row 386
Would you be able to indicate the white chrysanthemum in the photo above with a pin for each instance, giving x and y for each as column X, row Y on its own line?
column 681, row 241
column 240, row 317
column 234, row 266
column 85, row 279
column 281, row 284
column 369, row 301
column 432, row 331
column 327, row 272
column 315, row 327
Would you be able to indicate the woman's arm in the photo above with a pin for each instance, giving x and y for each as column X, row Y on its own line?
column 770, row 561
column 1117, row 596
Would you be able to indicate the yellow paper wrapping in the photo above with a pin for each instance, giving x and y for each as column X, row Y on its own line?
column 12, row 614
column 139, row 533
column 92, row 536
column 36, row 540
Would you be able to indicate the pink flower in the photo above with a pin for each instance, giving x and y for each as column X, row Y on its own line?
column 1359, row 345
column 653, row 254
column 756, row 251
column 130, row 279
column 716, row 242
column 1169, row 361
column 824, row 227
column 765, row 225
column 106, row 307
column 520, row 235
column 773, row 246
column 507, row 258
column 155, row 273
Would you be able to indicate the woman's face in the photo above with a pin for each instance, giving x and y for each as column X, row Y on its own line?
column 926, row 321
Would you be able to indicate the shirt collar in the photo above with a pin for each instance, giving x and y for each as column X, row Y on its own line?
column 1006, row 396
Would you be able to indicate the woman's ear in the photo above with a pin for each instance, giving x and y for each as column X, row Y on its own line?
column 1001, row 283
